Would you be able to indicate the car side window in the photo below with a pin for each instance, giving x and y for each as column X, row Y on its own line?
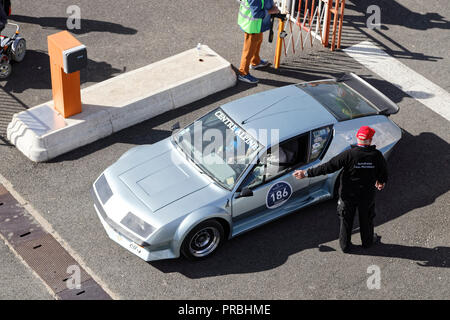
column 319, row 140
column 255, row 177
column 278, row 160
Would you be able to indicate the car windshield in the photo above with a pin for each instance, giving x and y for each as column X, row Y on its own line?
column 219, row 147
column 340, row 100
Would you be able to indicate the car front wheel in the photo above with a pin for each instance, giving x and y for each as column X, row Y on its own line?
column 203, row 240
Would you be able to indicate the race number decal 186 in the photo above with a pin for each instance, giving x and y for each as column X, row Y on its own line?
column 278, row 194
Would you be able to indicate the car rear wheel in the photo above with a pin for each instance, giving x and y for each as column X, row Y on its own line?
column 203, row 240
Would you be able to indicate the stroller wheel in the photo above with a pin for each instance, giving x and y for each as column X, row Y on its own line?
column 5, row 69
column 19, row 50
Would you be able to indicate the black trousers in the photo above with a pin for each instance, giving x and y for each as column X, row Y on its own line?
column 346, row 211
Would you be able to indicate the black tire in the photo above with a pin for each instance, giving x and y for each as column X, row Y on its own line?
column 20, row 51
column 203, row 241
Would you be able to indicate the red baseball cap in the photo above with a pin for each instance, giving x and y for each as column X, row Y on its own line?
column 365, row 133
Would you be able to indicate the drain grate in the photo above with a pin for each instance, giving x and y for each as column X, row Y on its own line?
column 50, row 261
column 18, row 227
column 15, row 223
column 9, row 206
column 89, row 291
column 42, row 252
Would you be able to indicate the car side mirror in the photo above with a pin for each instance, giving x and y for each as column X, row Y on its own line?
column 176, row 126
column 245, row 193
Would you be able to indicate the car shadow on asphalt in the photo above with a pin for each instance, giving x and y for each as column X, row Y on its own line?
column 418, row 175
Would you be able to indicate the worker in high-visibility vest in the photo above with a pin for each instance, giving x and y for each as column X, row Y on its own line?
column 254, row 19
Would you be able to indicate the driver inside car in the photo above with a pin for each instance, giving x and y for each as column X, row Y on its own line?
column 270, row 166
column 278, row 160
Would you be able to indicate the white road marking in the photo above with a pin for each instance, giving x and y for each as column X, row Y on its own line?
column 403, row 77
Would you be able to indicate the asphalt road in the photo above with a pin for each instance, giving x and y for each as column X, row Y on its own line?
column 296, row 257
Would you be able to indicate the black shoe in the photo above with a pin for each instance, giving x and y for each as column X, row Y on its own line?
column 349, row 248
column 376, row 240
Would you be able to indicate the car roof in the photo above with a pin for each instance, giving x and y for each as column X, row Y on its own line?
column 287, row 109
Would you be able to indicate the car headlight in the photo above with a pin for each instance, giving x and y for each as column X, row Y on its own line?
column 137, row 225
column 103, row 190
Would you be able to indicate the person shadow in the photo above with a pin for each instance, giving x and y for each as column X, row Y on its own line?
column 60, row 23
column 425, row 257
column 394, row 13
column 270, row 246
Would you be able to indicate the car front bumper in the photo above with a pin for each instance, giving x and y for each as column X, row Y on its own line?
column 125, row 239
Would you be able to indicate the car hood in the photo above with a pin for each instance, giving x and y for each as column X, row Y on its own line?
column 158, row 175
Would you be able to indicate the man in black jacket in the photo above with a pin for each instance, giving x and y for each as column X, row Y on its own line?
column 5, row 11
column 3, row 16
column 6, row 6
column 364, row 171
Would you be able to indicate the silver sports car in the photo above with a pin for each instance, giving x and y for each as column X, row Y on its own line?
column 231, row 170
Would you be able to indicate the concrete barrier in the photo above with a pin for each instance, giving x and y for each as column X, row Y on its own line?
column 42, row 134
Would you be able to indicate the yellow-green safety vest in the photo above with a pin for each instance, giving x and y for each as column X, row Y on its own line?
column 246, row 20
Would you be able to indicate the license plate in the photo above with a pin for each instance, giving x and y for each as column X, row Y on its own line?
column 134, row 247
column 127, row 243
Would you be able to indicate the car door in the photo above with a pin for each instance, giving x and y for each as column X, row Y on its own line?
column 272, row 197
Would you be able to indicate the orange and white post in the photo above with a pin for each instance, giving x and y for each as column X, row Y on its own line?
column 65, row 86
